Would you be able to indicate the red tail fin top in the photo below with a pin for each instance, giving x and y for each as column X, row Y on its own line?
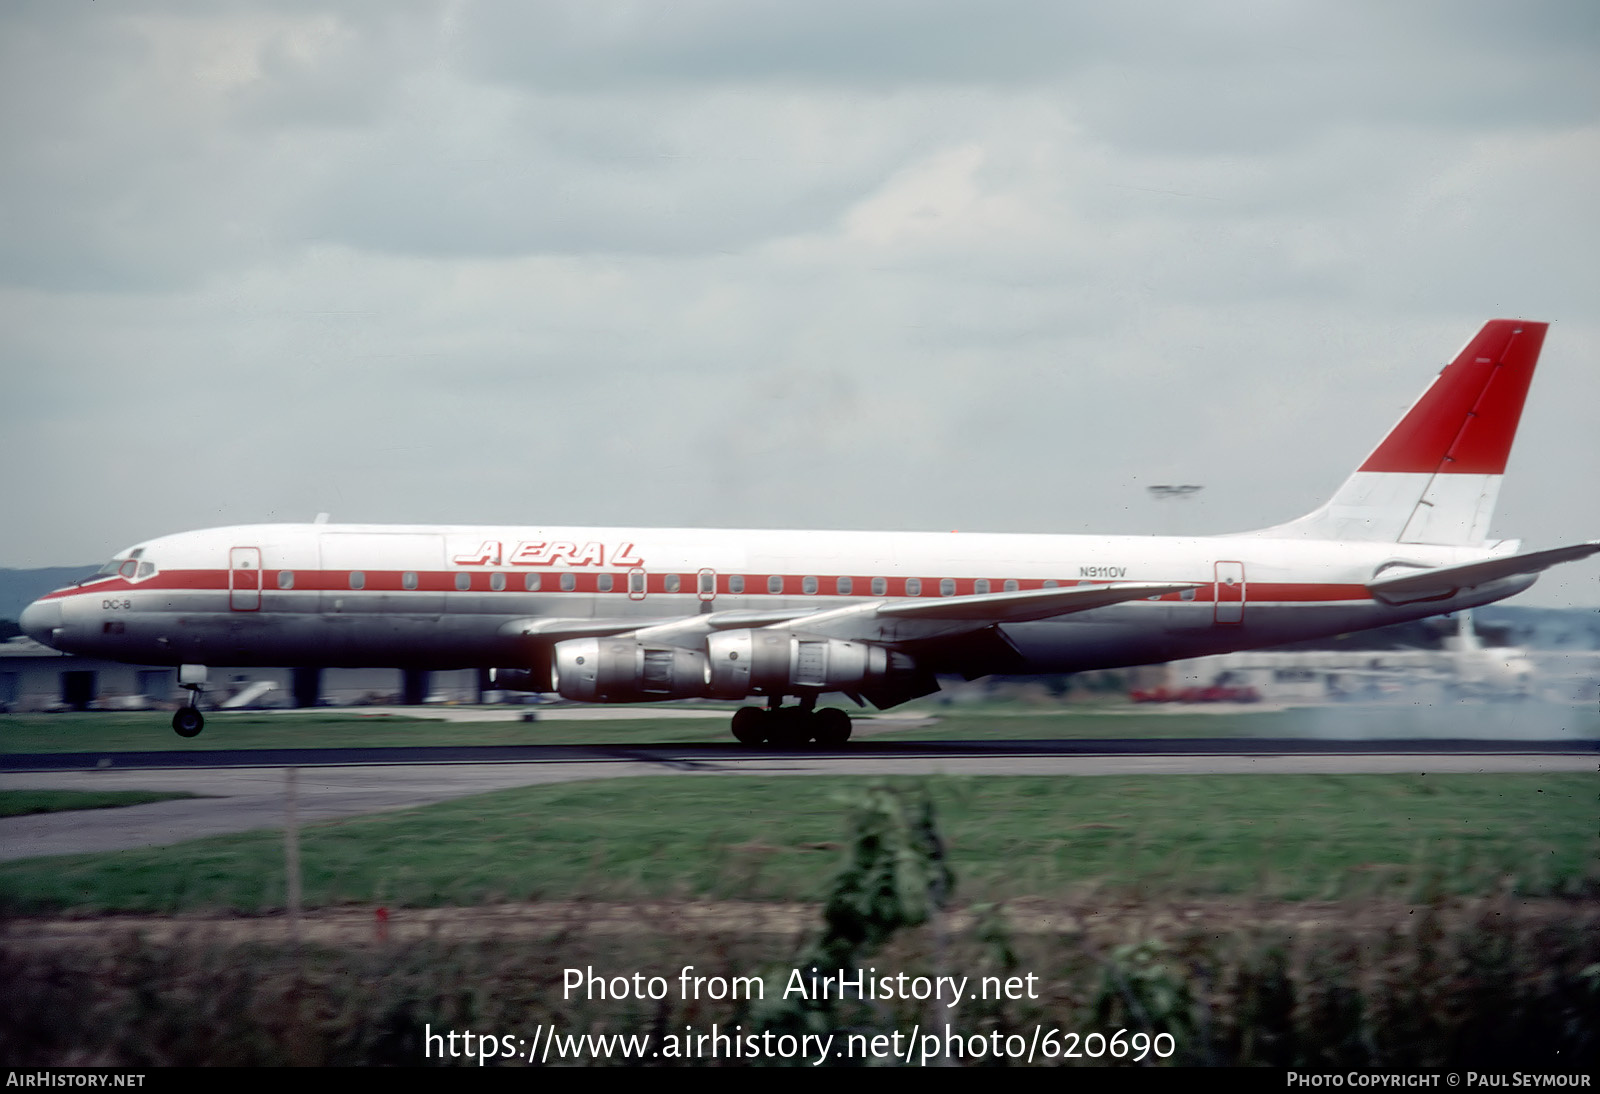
column 1466, row 421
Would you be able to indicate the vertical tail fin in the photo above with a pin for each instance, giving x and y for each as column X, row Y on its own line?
column 1436, row 476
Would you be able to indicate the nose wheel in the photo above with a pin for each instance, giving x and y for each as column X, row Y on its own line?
column 187, row 721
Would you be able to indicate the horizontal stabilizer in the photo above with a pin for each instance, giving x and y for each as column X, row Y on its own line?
column 1446, row 581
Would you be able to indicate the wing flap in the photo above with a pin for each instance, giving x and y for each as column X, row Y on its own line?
column 1446, row 581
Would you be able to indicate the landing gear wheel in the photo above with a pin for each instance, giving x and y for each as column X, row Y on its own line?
column 790, row 727
column 188, row 722
column 832, row 727
column 750, row 725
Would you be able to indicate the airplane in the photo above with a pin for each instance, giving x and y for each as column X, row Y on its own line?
column 629, row 615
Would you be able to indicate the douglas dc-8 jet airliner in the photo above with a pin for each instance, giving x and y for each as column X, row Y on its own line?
column 625, row 615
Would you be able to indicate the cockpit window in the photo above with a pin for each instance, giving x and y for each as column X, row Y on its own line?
column 129, row 568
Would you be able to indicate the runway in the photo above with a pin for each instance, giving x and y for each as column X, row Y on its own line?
column 246, row 790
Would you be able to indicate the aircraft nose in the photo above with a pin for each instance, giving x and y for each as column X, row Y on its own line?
column 39, row 619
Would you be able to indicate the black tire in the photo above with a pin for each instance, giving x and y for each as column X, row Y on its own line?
column 750, row 725
column 188, row 722
column 832, row 727
column 790, row 727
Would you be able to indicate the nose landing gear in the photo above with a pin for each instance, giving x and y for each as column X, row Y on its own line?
column 187, row 721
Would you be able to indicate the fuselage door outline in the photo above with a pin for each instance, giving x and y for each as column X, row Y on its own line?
column 1228, row 593
column 244, row 579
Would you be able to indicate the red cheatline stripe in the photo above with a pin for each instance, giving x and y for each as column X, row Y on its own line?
column 1464, row 424
column 393, row 581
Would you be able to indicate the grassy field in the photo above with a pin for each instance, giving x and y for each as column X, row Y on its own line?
column 149, row 731
column 21, row 803
column 1269, row 837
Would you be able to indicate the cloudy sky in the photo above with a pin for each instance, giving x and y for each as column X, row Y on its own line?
column 914, row 265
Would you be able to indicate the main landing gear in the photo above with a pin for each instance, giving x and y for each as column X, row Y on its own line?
column 792, row 727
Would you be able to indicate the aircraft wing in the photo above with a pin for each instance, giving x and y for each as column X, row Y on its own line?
column 919, row 618
column 871, row 619
column 1445, row 581
column 1033, row 604
column 556, row 629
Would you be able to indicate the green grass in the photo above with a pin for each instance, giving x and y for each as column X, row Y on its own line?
column 149, row 731
column 21, row 803
column 1173, row 836
column 1018, row 721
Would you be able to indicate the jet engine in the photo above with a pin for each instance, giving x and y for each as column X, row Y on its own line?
column 625, row 670
column 783, row 662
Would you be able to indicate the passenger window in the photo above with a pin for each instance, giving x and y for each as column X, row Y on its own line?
column 736, row 583
column 408, row 580
column 568, row 583
column 879, row 586
column 708, row 583
column 358, row 580
column 808, row 585
column 672, row 583
column 1052, row 584
column 1187, row 594
column 775, row 584
column 844, row 586
column 981, row 586
column 1011, row 585
column 636, row 582
column 285, row 579
column 463, row 582
column 947, row 586
column 497, row 582
column 913, row 586
column 604, row 583
column 530, row 582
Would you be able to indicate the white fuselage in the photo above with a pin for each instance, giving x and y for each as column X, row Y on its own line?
column 459, row 596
